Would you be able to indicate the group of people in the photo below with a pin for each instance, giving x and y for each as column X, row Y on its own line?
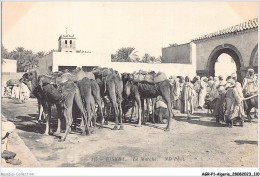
column 226, row 95
column 17, row 91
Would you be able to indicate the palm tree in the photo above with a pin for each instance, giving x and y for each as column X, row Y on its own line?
column 146, row 58
column 40, row 54
column 31, row 61
column 125, row 54
column 4, row 52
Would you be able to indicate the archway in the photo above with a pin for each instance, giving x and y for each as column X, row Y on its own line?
column 225, row 65
column 230, row 50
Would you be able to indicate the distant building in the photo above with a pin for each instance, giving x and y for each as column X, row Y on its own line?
column 9, row 71
column 67, row 57
column 9, row 66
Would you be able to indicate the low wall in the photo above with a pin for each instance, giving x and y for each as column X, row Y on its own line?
column 170, row 69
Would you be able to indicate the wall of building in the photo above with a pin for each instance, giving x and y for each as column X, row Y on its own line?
column 244, row 42
column 75, row 59
column 176, row 54
column 9, row 66
column 170, row 69
column 45, row 63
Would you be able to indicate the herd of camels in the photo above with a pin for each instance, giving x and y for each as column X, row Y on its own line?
column 86, row 89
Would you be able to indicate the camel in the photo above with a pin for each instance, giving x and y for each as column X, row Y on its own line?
column 111, row 85
column 50, row 95
column 144, row 90
column 90, row 93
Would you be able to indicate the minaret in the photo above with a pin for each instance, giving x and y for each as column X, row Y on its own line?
column 67, row 43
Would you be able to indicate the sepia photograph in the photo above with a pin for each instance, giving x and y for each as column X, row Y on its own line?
column 129, row 84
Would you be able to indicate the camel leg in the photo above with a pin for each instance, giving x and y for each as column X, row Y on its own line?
column 40, row 107
column 47, row 130
column 79, row 103
column 140, row 108
column 59, row 119
column 96, row 95
column 153, row 104
column 115, row 106
column 113, row 100
column 132, row 111
column 148, row 111
column 68, row 111
column 68, row 117
column 101, row 111
column 120, row 114
column 167, row 98
column 93, row 115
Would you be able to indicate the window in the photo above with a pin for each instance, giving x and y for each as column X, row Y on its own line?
column 65, row 41
column 70, row 41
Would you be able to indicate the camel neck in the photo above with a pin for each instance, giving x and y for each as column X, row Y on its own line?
column 34, row 81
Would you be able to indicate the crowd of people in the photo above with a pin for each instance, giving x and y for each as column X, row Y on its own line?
column 224, row 95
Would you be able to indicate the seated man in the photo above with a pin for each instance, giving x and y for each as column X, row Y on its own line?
column 161, row 111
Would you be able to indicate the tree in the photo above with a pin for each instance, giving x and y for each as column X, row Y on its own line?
column 125, row 54
column 148, row 58
column 4, row 52
column 31, row 60
column 40, row 54
column 158, row 60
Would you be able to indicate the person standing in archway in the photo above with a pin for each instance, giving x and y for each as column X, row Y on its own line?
column 249, row 83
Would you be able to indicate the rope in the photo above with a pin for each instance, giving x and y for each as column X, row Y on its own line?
column 250, row 97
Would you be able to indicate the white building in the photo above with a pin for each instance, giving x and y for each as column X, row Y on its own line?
column 67, row 58
column 9, row 66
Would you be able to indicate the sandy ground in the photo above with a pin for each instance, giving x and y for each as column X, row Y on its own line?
column 199, row 142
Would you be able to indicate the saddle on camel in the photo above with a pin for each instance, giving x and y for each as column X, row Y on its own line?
column 143, row 85
column 48, row 92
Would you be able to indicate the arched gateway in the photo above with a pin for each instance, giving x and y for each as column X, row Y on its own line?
column 239, row 41
column 230, row 50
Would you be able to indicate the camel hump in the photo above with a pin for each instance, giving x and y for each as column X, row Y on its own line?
column 68, row 76
column 160, row 77
column 151, row 78
column 148, row 78
column 90, row 75
column 107, row 71
column 80, row 75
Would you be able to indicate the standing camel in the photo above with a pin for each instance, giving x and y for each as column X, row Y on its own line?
column 144, row 90
column 111, row 85
column 50, row 95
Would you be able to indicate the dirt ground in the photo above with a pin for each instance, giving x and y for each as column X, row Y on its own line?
column 199, row 142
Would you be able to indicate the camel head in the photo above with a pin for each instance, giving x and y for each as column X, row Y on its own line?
column 29, row 79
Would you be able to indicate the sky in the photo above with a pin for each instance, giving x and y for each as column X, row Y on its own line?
column 104, row 27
